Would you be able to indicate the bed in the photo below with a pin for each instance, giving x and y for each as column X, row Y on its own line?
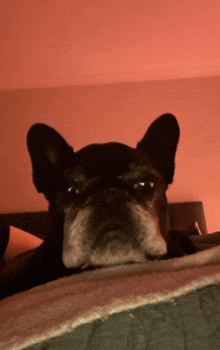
column 172, row 304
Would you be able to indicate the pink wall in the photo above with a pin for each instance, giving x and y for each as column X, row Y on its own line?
column 67, row 42
column 53, row 46
column 120, row 112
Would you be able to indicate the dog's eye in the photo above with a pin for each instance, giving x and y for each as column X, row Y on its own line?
column 143, row 186
column 73, row 190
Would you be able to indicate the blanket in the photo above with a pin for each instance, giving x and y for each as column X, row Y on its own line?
column 171, row 304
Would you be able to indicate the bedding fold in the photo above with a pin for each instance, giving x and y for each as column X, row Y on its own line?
column 58, row 309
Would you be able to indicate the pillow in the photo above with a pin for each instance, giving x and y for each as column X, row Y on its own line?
column 19, row 242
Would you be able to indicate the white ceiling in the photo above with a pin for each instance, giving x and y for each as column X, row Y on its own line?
column 66, row 42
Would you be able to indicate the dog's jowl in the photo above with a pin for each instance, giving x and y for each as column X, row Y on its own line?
column 107, row 204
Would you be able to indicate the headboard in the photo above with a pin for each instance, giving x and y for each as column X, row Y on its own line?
column 181, row 214
column 184, row 214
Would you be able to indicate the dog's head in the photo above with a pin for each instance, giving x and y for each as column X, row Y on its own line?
column 111, row 197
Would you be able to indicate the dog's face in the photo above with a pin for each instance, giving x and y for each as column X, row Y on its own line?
column 110, row 197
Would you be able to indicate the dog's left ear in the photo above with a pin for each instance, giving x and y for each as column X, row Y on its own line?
column 50, row 154
column 160, row 143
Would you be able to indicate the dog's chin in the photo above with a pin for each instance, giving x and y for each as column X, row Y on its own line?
column 115, row 248
column 112, row 248
column 122, row 255
column 114, row 242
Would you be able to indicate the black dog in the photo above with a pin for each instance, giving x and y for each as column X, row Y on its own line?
column 107, row 205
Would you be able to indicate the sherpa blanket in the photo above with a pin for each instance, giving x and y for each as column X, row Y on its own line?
column 172, row 304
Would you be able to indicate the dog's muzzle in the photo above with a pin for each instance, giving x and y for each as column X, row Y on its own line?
column 131, row 234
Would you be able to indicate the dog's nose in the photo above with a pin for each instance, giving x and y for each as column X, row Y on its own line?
column 111, row 194
column 115, row 196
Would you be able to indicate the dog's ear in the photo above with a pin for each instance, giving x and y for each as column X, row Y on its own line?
column 50, row 154
column 160, row 143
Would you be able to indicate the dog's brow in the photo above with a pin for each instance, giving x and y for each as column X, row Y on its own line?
column 139, row 171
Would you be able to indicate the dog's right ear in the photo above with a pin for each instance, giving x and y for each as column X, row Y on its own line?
column 160, row 143
column 50, row 154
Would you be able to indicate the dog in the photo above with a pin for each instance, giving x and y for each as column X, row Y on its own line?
column 107, row 205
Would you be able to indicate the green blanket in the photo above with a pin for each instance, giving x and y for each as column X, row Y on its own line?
column 159, row 305
column 190, row 322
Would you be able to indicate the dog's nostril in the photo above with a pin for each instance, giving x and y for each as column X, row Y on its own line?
column 111, row 192
column 113, row 228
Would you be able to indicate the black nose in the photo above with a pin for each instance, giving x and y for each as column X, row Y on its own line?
column 111, row 194
column 115, row 196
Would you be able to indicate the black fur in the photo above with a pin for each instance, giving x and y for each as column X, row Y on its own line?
column 107, row 205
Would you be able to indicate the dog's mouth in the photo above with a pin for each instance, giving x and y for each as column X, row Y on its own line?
column 93, row 241
column 113, row 232
column 116, row 245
